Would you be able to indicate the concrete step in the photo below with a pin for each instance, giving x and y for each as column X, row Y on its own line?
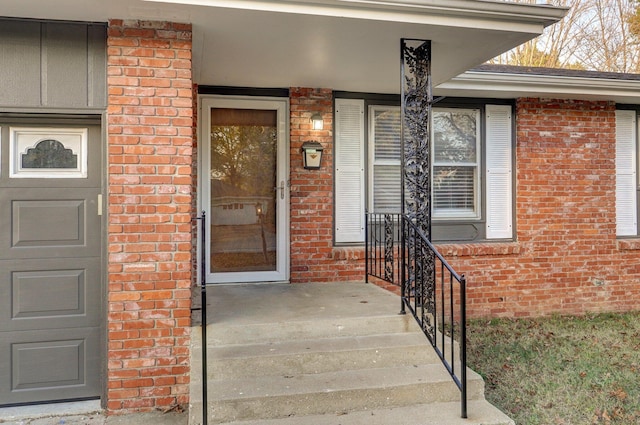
column 273, row 397
column 326, row 355
column 480, row 412
column 320, row 355
column 261, row 333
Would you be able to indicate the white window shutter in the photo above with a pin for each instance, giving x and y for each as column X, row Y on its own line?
column 350, row 179
column 626, row 209
column 499, row 199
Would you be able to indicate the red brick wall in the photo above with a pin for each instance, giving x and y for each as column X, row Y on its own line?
column 313, row 257
column 566, row 258
column 149, row 205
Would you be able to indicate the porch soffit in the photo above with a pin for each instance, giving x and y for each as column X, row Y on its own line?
column 351, row 45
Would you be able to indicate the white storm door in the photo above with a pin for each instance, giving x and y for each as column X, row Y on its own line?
column 245, row 188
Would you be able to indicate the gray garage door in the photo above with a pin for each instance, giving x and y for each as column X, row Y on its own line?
column 50, row 260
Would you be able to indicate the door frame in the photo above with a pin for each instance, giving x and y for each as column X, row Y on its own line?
column 281, row 105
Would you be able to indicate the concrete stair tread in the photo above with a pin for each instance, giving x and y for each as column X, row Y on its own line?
column 228, row 334
column 480, row 412
column 314, row 362
column 299, row 346
column 345, row 380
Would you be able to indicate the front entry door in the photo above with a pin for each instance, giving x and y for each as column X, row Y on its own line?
column 246, row 188
column 50, row 260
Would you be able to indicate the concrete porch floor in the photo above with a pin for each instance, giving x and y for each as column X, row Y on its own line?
column 245, row 304
column 285, row 320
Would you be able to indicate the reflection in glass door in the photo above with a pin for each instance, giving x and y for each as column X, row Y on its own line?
column 247, row 200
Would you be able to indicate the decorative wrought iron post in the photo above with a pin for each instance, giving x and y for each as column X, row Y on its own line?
column 417, row 98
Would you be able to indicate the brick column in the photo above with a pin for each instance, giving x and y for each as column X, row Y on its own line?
column 149, row 204
column 311, row 190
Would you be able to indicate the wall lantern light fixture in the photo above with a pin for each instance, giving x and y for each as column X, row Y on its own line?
column 317, row 123
column 311, row 154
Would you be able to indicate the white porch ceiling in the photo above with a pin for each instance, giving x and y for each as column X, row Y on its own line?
column 351, row 45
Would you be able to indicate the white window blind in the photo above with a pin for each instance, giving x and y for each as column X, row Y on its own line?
column 499, row 172
column 456, row 163
column 626, row 206
column 384, row 148
column 349, row 177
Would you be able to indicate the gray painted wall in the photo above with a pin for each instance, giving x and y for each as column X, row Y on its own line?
column 52, row 65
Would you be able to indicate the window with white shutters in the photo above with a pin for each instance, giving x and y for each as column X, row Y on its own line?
column 472, row 156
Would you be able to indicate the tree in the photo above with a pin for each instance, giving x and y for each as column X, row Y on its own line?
column 634, row 21
column 243, row 157
column 606, row 40
column 600, row 35
column 554, row 47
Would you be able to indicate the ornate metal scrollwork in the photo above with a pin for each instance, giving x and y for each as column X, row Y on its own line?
column 417, row 98
column 388, row 247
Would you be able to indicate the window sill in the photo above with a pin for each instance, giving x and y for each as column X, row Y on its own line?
column 628, row 244
column 464, row 249
column 478, row 249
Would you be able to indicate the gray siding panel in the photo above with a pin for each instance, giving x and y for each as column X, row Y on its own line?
column 97, row 72
column 19, row 63
column 52, row 65
column 64, row 65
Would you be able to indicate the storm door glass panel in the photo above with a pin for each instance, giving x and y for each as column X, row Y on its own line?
column 243, row 200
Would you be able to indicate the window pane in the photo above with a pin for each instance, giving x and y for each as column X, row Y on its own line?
column 386, row 187
column 453, row 190
column 385, row 133
column 386, row 130
column 455, row 135
column 455, row 163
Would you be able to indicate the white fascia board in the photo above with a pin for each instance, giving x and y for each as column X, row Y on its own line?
column 454, row 13
column 506, row 85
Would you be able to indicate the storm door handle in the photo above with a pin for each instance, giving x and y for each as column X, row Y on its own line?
column 281, row 189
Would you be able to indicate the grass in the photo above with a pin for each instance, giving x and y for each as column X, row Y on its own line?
column 561, row 370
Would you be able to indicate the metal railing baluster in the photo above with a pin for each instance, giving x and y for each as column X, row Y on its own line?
column 405, row 257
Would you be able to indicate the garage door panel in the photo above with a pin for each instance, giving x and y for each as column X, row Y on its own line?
column 48, row 223
column 48, row 294
column 43, row 226
column 51, row 260
column 49, row 365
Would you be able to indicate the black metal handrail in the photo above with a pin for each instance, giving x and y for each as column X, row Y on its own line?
column 432, row 291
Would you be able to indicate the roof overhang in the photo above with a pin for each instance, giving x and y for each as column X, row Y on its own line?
column 351, row 45
column 505, row 85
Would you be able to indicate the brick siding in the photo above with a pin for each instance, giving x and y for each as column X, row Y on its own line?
column 566, row 258
column 150, row 136
column 313, row 257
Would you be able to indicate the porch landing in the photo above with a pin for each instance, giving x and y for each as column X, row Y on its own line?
column 323, row 354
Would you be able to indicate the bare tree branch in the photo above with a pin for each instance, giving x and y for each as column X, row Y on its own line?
column 602, row 35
